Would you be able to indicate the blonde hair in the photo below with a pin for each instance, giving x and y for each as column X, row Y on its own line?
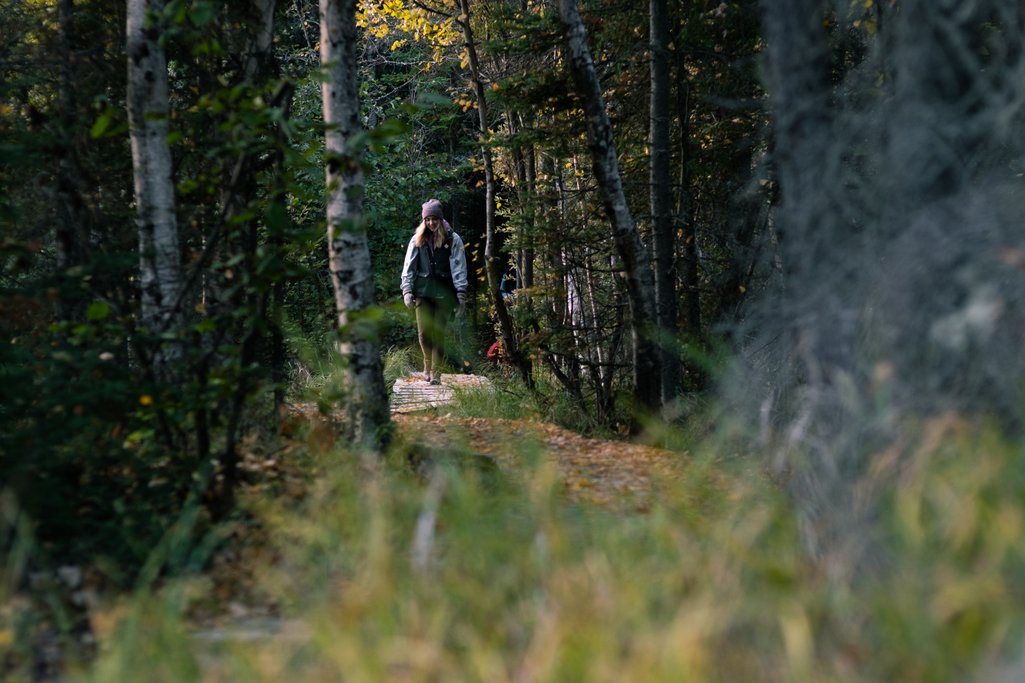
column 439, row 235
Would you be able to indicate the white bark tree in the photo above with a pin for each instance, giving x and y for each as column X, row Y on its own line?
column 348, row 248
column 160, row 265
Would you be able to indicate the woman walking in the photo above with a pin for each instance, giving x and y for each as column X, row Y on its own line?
column 434, row 281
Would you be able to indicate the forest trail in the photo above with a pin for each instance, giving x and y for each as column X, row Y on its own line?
column 619, row 476
column 614, row 473
column 411, row 394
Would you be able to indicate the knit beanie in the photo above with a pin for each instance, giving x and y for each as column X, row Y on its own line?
column 432, row 207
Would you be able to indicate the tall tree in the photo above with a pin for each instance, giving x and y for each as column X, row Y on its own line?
column 661, row 199
column 260, row 55
column 241, row 189
column 348, row 249
column 636, row 260
column 72, row 243
column 797, row 50
column 148, row 120
column 521, row 362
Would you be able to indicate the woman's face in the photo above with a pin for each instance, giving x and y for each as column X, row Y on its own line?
column 432, row 223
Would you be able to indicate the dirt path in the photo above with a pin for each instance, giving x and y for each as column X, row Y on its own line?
column 615, row 475
column 591, row 470
column 599, row 471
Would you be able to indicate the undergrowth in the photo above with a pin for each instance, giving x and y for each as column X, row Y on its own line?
column 383, row 574
column 451, row 571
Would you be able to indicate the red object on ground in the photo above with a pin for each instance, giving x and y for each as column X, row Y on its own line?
column 495, row 352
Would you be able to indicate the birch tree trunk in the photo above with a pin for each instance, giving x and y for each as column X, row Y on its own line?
column 348, row 249
column 661, row 201
column 148, row 118
column 636, row 261
column 512, row 350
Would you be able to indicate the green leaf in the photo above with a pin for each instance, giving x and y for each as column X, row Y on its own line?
column 97, row 310
column 201, row 13
column 100, row 126
column 277, row 219
column 206, row 325
column 434, row 98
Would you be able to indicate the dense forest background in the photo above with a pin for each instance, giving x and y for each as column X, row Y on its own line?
column 91, row 408
column 791, row 226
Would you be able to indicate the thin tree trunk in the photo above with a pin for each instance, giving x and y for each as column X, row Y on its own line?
column 72, row 240
column 661, row 201
column 525, row 158
column 685, row 211
column 148, row 119
column 278, row 230
column 519, row 163
column 260, row 58
column 637, row 262
column 348, row 249
column 526, row 177
column 685, row 215
column 798, row 76
column 525, row 274
column 239, row 192
column 512, row 350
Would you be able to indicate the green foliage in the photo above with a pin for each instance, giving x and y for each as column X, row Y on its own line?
column 98, row 448
column 411, row 158
column 506, row 399
column 401, row 361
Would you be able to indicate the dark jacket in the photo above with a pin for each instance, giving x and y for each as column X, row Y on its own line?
column 435, row 273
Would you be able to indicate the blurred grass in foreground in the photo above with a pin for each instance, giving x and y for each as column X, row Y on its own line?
column 386, row 576
column 451, row 575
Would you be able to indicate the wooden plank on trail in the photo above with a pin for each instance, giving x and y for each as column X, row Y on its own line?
column 410, row 394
